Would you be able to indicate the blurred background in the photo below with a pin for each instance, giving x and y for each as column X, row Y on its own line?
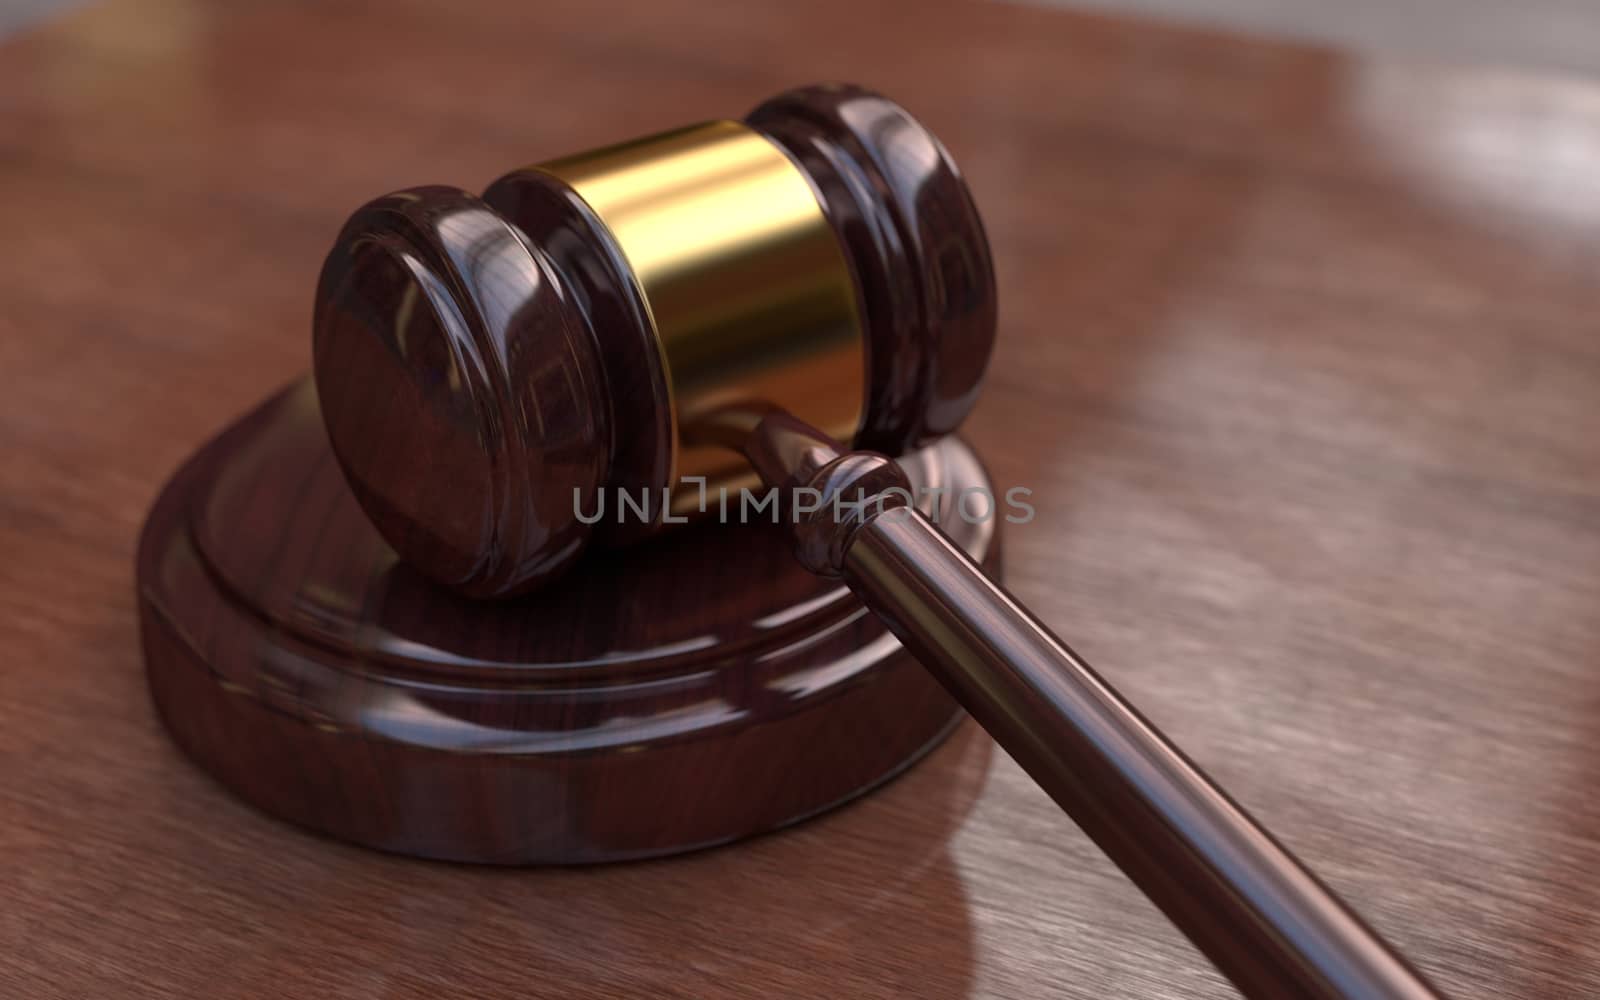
column 1551, row 34
column 1556, row 34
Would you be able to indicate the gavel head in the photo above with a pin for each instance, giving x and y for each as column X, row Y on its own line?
column 487, row 366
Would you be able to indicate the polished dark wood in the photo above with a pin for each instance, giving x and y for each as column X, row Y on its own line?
column 500, row 365
column 1254, row 909
column 691, row 691
column 916, row 244
column 1298, row 359
column 567, row 233
column 478, row 384
column 463, row 390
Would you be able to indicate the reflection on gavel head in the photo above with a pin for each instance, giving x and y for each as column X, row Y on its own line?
column 487, row 366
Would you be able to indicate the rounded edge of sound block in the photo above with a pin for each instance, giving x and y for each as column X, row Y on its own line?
column 420, row 747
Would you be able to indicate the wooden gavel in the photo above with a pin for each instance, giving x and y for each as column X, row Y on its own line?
column 683, row 310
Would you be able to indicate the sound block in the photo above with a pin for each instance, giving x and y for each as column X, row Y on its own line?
column 675, row 694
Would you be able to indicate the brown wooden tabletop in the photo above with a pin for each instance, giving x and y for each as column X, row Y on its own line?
column 1300, row 355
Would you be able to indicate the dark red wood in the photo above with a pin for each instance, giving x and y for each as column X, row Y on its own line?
column 568, row 234
column 1250, row 905
column 462, row 390
column 479, row 361
column 1270, row 925
column 699, row 688
column 1299, row 359
column 899, row 205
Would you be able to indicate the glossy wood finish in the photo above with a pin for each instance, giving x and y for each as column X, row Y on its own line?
column 490, row 350
column 558, row 222
column 477, row 383
column 463, row 391
column 621, row 715
column 1255, row 910
column 922, row 261
column 1297, row 357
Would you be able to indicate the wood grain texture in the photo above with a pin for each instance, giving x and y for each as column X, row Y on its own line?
column 1297, row 353
column 683, row 694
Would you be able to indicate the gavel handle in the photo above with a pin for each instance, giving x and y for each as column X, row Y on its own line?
column 1245, row 901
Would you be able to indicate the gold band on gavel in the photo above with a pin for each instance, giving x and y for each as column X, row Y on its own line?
column 746, row 285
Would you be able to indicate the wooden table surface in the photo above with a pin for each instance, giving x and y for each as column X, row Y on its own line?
column 1299, row 356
